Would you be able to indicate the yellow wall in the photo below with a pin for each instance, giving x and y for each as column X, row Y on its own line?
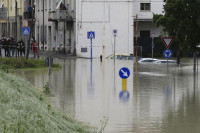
column 11, row 9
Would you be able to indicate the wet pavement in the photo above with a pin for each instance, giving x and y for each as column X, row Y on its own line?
column 157, row 100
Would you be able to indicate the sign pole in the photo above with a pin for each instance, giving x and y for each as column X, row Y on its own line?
column 152, row 46
column 91, row 35
column 91, row 49
column 167, row 65
column 124, row 84
column 114, row 46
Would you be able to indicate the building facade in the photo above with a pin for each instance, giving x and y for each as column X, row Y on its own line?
column 104, row 17
column 62, row 25
column 11, row 19
column 54, row 25
column 147, row 32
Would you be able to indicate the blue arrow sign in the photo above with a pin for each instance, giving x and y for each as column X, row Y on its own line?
column 167, row 53
column 26, row 31
column 124, row 96
column 91, row 35
column 124, row 73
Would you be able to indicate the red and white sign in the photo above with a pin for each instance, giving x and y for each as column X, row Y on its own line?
column 167, row 41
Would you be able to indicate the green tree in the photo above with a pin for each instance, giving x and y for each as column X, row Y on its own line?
column 181, row 19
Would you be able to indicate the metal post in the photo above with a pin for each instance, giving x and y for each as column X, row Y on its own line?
column 91, row 49
column 167, row 65
column 114, row 46
column 49, row 72
column 8, row 26
column 136, row 38
column 152, row 46
column 43, row 25
column 194, row 56
column 64, row 32
column 16, row 24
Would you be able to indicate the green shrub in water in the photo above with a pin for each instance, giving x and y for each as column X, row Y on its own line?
column 18, row 63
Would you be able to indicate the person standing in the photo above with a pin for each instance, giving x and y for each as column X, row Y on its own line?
column 21, row 48
column 35, row 48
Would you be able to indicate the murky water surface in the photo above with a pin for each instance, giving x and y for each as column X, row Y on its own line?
column 155, row 101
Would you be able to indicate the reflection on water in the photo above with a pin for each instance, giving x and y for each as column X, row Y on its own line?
column 157, row 101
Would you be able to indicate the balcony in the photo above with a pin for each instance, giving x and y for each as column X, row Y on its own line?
column 60, row 15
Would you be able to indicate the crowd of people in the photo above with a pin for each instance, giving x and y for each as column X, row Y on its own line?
column 12, row 48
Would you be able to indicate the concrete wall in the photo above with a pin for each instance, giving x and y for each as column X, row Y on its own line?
column 102, row 17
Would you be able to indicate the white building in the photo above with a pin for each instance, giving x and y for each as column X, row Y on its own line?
column 145, row 10
column 70, row 26
column 103, row 17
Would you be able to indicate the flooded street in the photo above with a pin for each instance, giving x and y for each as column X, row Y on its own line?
column 157, row 100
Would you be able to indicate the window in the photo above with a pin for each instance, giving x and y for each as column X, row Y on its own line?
column 145, row 33
column 145, row 6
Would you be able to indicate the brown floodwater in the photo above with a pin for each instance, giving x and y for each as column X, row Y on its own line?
column 157, row 100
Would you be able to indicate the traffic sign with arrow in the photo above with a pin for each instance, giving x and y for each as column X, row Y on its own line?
column 167, row 41
column 124, row 73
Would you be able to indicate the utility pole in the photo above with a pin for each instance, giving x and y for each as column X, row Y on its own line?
column 43, row 25
column 16, row 24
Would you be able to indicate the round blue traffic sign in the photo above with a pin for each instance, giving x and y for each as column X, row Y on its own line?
column 124, row 96
column 124, row 73
column 167, row 53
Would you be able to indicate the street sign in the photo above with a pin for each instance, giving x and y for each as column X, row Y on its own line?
column 26, row 31
column 49, row 61
column 124, row 96
column 167, row 41
column 115, row 32
column 167, row 53
column 91, row 35
column 124, row 73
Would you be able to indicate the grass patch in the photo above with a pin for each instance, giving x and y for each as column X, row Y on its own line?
column 19, row 63
column 24, row 109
